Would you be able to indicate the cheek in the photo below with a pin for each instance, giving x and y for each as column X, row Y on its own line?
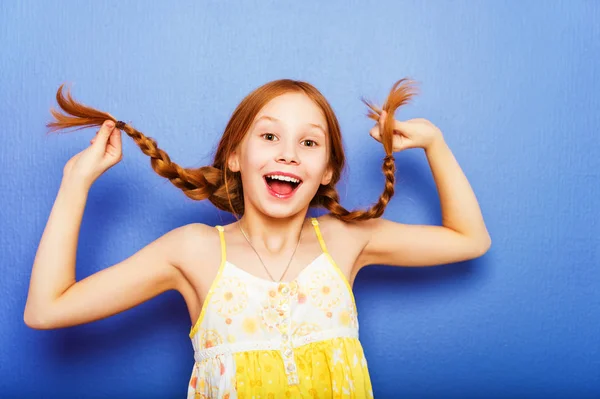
column 254, row 158
column 315, row 166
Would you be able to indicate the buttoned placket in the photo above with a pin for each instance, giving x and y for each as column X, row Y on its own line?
column 287, row 351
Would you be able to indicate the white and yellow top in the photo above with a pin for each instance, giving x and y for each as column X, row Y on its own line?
column 259, row 338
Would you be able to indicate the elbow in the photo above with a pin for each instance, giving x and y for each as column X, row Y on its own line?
column 36, row 320
column 32, row 322
column 484, row 246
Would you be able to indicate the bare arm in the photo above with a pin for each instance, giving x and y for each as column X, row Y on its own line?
column 462, row 236
column 56, row 300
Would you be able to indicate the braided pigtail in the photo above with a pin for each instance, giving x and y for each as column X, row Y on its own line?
column 206, row 182
column 400, row 94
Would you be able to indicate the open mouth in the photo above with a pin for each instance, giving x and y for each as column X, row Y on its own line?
column 282, row 186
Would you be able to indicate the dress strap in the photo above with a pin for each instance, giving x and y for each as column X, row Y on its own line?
column 223, row 247
column 213, row 285
column 315, row 223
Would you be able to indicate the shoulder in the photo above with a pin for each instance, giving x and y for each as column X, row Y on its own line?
column 186, row 244
column 356, row 229
column 198, row 237
column 334, row 230
column 197, row 250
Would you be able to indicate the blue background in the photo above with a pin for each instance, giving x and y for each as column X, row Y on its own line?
column 512, row 85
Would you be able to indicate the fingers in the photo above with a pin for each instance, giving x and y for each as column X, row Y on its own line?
column 376, row 130
column 103, row 134
column 115, row 139
column 375, row 133
column 399, row 126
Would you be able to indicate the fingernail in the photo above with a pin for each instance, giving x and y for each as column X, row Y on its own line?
column 110, row 125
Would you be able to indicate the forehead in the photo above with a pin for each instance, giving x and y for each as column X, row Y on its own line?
column 292, row 109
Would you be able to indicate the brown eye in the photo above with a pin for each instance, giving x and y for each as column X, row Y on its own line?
column 310, row 143
column 268, row 136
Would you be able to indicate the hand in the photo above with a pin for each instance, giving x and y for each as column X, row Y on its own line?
column 104, row 152
column 413, row 133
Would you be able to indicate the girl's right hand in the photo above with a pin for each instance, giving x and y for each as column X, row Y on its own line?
column 104, row 152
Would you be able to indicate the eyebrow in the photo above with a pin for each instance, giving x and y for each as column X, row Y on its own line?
column 277, row 120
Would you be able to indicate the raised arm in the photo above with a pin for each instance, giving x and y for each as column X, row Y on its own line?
column 463, row 234
column 56, row 300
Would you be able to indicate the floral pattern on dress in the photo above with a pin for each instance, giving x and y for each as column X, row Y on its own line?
column 266, row 339
column 209, row 338
column 305, row 329
column 325, row 290
column 230, row 297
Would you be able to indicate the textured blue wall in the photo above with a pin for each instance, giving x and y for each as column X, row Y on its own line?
column 513, row 85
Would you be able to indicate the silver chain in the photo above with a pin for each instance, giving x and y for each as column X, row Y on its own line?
column 263, row 263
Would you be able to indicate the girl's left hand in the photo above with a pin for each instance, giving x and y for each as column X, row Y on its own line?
column 413, row 133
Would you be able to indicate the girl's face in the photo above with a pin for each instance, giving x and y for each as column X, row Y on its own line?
column 283, row 158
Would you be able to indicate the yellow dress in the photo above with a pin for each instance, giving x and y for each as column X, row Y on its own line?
column 257, row 338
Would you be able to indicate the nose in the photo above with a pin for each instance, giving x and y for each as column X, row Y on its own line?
column 288, row 154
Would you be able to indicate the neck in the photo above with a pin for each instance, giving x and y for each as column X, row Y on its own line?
column 275, row 235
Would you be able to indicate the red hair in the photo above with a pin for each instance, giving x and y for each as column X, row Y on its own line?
column 223, row 187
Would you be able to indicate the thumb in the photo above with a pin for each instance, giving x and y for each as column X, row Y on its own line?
column 103, row 136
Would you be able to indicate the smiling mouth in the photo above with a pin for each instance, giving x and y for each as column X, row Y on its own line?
column 282, row 186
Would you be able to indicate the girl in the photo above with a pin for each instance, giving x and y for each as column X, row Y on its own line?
column 269, row 296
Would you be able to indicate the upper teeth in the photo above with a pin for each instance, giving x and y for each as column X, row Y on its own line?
column 284, row 178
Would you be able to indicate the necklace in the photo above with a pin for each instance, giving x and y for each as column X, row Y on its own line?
column 263, row 263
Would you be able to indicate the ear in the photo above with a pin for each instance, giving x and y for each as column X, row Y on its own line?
column 234, row 161
column 327, row 176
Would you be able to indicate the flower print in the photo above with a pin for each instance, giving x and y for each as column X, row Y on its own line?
column 325, row 292
column 337, row 356
column 301, row 297
column 293, row 288
column 209, row 338
column 230, row 296
column 306, row 328
column 250, row 325
column 198, row 385
column 350, row 382
column 271, row 315
column 344, row 318
column 347, row 318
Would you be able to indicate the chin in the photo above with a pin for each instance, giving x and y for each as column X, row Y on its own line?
column 282, row 211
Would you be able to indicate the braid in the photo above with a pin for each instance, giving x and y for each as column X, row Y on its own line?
column 327, row 196
column 223, row 187
column 206, row 182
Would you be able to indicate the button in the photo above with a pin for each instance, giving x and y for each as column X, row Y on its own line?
column 284, row 307
column 285, row 290
column 285, row 337
column 288, row 352
column 291, row 367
